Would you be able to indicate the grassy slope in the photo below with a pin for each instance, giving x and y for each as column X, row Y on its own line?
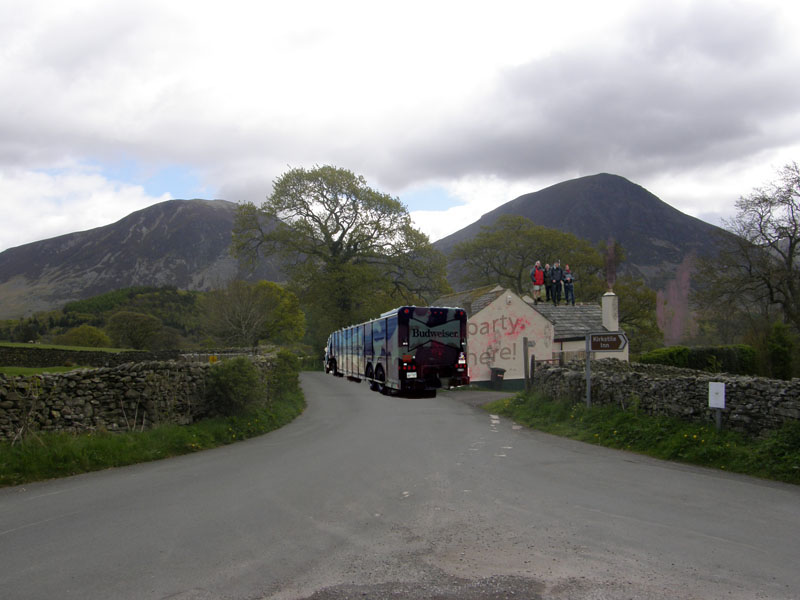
column 774, row 457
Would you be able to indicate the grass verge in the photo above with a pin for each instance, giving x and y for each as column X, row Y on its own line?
column 775, row 457
column 49, row 455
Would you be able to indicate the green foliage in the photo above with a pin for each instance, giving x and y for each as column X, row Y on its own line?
column 777, row 456
column 23, row 330
column 176, row 309
column 84, row 336
column 109, row 301
column 781, row 345
column 59, row 455
column 352, row 250
column 243, row 314
column 506, row 251
column 674, row 356
column 739, row 359
column 284, row 376
column 756, row 272
column 133, row 330
column 637, row 314
column 235, row 385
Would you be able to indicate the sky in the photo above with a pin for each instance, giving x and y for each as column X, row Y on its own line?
column 107, row 107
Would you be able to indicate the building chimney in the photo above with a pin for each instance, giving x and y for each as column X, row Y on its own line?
column 610, row 305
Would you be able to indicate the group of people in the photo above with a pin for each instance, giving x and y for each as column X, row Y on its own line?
column 552, row 279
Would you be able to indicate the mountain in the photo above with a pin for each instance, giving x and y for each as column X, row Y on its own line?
column 185, row 243
column 181, row 243
column 656, row 237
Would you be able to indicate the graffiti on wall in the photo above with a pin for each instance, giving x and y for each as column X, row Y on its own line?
column 496, row 336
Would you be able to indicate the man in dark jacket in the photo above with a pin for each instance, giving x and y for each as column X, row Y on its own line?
column 569, row 289
column 548, row 285
column 556, row 277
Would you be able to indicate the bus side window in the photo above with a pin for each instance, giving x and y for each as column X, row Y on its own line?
column 368, row 339
column 379, row 337
column 402, row 331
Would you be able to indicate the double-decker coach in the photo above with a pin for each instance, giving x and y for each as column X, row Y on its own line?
column 414, row 349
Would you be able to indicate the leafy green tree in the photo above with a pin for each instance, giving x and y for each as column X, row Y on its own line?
column 84, row 335
column 759, row 265
column 242, row 314
column 350, row 250
column 506, row 251
column 781, row 349
column 637, row 314
column 133, row 330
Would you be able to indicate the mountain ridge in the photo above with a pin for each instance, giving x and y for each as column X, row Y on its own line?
column 656, row 237
column 181, row 243
column 186, row 244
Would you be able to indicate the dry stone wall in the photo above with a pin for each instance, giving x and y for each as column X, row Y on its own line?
column 34, row 356
column 128, row 397
column 754, row 405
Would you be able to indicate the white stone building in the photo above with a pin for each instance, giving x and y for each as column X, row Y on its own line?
column 499, row 320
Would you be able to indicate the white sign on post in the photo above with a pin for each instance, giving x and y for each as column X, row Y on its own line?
column 716, row 394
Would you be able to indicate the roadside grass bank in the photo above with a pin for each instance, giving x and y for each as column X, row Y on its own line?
column 775, row 457
column 45, row 455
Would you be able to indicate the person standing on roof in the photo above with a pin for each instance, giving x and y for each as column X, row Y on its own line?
column 569, row 286
column 556, row 276
column 537, row 277
column 548, row 285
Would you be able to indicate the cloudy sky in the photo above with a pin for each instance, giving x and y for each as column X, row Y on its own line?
column 454, row 107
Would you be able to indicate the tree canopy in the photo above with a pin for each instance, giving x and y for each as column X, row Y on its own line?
column 506, row 251
column 754, row 280
column 350, row 251
column 243, row 314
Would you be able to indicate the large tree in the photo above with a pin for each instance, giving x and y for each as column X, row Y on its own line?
column 505, row 252
column 757, row 270
column 243, row 314
column 129, row 329
column 349, row 250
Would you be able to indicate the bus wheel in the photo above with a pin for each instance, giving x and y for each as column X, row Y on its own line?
column 380, row 385
column 370, row 377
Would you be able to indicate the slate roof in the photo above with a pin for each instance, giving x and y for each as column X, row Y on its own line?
column 569, row 322
column 472, row 301
column 572, row 322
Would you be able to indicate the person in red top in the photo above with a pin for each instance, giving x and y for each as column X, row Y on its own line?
column 537, row 277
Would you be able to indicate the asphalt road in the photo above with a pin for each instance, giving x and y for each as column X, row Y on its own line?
column 368, row 496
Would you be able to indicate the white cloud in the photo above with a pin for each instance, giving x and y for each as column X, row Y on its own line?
column 488, row 101
column 47, row 205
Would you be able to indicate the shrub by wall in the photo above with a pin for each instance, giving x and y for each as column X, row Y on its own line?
column 34, row 356
column 131, row 396
column 739, row 359
column 754, row 405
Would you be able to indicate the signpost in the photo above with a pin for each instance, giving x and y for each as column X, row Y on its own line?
column 716, row 400
column 610, row 341
column 607, row 342
column 528, row 365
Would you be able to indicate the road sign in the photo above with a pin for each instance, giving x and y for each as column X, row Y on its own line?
column 607, row 342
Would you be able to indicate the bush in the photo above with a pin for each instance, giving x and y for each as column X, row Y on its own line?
column 674, row 356
column 84, row 336
column 780, row 349
column 284, row 376
column 739, row 359
column 234, row 386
